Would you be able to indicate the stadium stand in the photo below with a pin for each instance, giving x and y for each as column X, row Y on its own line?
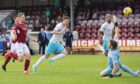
column 88, row 27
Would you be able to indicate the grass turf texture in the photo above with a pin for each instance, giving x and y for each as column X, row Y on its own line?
column 75, row 69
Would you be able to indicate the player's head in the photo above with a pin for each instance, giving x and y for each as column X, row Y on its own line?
column 16, row 20
column 67, row 30
column 108, row 18
column 113, row 45
column 42, row 29
column 21, row 17
column 66, row 20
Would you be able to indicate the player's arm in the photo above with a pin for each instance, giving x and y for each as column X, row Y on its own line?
column 63, row 42
column 113, row 34
column 115, row 69
column 117, row 31
column 64, row 37
column 31, row 38
column 55, row 31
column 115, row 65
column 100, row 34
column 13, row 34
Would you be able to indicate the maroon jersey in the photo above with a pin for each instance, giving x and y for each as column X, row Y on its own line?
column 21, row 32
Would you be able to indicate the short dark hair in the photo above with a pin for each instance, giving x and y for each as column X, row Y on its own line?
column 113, row 44
column 66, row 17
column 20, row 14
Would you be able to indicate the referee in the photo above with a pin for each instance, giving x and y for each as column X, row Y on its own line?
column 68, row 38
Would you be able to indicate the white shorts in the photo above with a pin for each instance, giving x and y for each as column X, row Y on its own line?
column 13, row 48
column 20, row 49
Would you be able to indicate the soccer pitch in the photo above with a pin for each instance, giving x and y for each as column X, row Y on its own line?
column 73, row 69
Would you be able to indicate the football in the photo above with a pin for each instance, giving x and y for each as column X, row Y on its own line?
column 127, row 11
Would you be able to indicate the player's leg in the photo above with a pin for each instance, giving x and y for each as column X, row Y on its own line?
column 108, row 71
column 10, row 54
column 39, row 61
column 100, row 47
column 27, row 60
column 19, row 51
column 70, row 47
column 62, row 52
column 128, row 70
column 105, row 46
column 7, row 59
column 50, row 49
column 67, row 47
column 105, row 72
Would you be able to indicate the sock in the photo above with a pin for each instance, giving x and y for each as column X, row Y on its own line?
column 126, row 69
column 26, row 65
column 7, row 58
column 40, row 60
column 58, row 57
column 13, row 55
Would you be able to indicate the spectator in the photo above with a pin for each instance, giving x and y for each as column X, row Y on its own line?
column 57, row 3
column 10, row 22
column 48, row 34
column 68, row 38
column 5, row 39
column 88, row 14
column 42, row 40
column 94, row 16
column 48, row 13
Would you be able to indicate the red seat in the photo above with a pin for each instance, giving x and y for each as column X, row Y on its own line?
column 95, row 25
column 124, row 24
column 87, row 36
column 88, row 30
column 83, row 25
column 124, row 35
column 136, row 24
column 124, row 29
column 130, row 24
column 137, row 29
column 89, row 25
column 130, row 29
column 94, row 30
column 130, row 35
column 82, row 30
column 81, row 35
column 94, row 36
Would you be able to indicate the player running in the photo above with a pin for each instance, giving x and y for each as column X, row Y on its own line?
column 54, row 44
column 107, row 30
column 18, row 46
column 114, row 63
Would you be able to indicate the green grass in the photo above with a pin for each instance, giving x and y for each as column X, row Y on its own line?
column 75, row 69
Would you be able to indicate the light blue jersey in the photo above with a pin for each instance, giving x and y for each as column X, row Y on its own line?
column 54, row 43
column 113, row 58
